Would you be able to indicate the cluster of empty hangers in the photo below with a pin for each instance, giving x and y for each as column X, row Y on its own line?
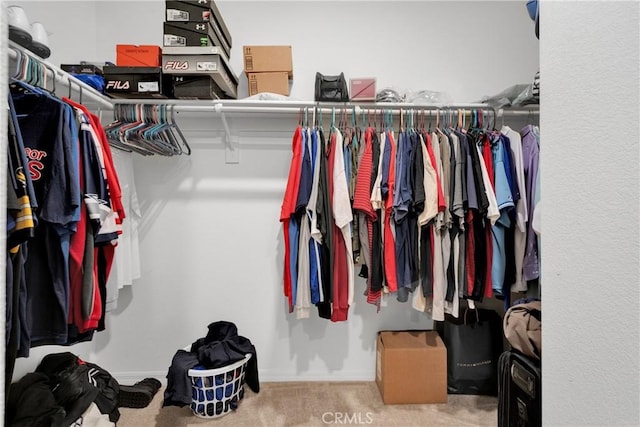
column 146, row 130
column 38, row 74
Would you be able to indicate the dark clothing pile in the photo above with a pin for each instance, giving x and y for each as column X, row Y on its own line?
column 221, row 347
column 60, row 391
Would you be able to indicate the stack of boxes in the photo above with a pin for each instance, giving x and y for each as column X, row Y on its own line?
column 196, row 51
column 137, row 73
column 268, row 69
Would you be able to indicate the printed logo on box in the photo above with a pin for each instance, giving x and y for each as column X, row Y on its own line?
column 118, row 84
column 148, row 87
column 206, row 66
column 173, row 40
column 176, row 65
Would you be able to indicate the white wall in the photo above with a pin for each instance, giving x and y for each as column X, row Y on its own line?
column 590, row 95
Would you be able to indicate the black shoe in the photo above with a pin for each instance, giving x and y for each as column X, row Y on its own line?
column 152, row 384
column 131, row 396
column 138, row 395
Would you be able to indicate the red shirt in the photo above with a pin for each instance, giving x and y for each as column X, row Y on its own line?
column 390, row 267
column 340, row 302
column 488, row 161
column 288, row 207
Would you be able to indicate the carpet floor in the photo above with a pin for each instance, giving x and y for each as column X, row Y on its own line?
column 321, row 404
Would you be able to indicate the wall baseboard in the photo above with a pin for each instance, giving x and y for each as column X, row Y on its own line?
column 130, row 378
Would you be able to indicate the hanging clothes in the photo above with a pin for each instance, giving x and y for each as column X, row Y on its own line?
column 432, row 216
column 64, row 219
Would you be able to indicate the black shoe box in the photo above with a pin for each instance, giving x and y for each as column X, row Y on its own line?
column 183, row 34
column 136, row 82
column 196, row 87
column 197, row 11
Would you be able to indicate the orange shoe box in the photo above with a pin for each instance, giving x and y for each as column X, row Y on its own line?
column 129, row 55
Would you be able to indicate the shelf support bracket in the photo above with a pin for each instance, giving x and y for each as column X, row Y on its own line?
column 231, row 143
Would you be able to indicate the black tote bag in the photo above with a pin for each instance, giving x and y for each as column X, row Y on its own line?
column 474, row 345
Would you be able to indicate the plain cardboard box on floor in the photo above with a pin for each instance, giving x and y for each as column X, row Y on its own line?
column 268, row 82
column 411, row 367
column 268, row 59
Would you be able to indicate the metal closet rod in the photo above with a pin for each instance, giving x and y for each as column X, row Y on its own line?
column 84, row 90
column 294, row 107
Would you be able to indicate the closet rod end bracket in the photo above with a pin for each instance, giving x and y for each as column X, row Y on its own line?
column 232, row 149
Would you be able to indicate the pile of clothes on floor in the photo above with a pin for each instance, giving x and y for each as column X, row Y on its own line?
column 65, row 390
column 221, row 347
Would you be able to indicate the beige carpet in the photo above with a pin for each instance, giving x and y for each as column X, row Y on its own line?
column 321, row 404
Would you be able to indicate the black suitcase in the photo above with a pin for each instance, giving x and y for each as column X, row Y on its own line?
column 519, row 391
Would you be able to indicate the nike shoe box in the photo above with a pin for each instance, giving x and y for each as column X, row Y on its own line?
column 197, row 11
column 136, row 82
column 193, row 33
column 196, row 87
column 212, row 65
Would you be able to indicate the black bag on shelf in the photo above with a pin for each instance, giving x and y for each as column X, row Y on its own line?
column 474, row 344
column 331, row 88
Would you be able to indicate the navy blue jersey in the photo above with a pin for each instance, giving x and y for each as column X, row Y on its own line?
column 49, row 135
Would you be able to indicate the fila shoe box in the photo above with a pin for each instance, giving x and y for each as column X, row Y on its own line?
column 136, row 82
column 197, row 11
column 411, row 367
column 194, row 33
column 204, row 64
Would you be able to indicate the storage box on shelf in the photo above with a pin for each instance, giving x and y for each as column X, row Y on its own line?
column 129, row 55
column 197, row 46
column 268, row 68
column 136, row 82
column 205, row 64
column 182, row 34
column 198, row 11
column 277, row 82
column 268, row 59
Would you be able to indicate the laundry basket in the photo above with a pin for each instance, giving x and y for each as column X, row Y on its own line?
column 217, row 391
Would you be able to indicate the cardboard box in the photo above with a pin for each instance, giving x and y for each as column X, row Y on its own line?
column 136, row 82
column 411, row 367
column 196, row 87
column 197, row 10
column 181, row 34
column 129, row 55
column 268, row 82
column 211, row 65
column 363, row 89
column 268, row 59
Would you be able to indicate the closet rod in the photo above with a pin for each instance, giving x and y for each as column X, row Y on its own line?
column 293, row 107
column 62, row 77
